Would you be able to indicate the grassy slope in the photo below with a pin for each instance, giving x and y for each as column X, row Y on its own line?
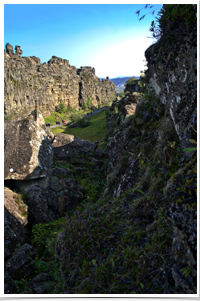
column 94, row 132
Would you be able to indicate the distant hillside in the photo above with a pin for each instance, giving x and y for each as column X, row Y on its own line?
column 120, row 82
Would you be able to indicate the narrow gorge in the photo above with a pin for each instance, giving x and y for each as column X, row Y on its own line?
column 118, row 219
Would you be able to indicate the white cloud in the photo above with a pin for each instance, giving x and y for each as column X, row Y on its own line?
column 124, row 58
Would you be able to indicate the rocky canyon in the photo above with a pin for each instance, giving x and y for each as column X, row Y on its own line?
column 80, row 219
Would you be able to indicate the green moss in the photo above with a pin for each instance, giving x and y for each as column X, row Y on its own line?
column 41, row 233
column 86, row 76
column 21, row 206
column 16, row 82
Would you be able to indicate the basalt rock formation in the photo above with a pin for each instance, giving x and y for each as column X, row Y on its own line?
column 151, row 188
column 172, row 78
column 139, row 236
column 172, row 75
column 26, row 81
column 28, row 149
column 36, row 191
column 147, row 162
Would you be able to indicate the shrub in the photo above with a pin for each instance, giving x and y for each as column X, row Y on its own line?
column 171, row 17
column 84, row 106
column 41, row 233
column 75, row 118
column 175, row 15
column 83, row 123
column 86, row 76
column 71, row 109
column 61, row 108
column 89, row 102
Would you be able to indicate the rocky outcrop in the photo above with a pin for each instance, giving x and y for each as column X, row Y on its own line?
column 142, row 148
column 26, row 80
column 65, row 144
column 139, row 235
column 15, row 221
column 22, row 262
column 172, row 76
column 146, row 148
column 134, row 85
column 28, row 152
column 39, row 283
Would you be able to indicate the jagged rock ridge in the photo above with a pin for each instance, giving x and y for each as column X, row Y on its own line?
column 26, row 81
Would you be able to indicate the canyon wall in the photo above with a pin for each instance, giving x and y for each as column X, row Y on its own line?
column 27, row 81
column 172, row 76
column 152, row 155
column 143, row 227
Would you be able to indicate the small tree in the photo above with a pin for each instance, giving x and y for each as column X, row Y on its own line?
column 89, row 102
column 61, row 108
column 84, row 106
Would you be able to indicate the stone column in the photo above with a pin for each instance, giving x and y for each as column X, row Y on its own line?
column 18, row 51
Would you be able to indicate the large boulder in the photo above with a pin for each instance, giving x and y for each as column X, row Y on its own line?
column 42, row 205
column 64, row 145
column 28, row 152
column 15, row 221
column 22, row 262
column 39, row 283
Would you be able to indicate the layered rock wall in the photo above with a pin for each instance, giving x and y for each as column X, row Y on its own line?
column 27, row 81
column 172, row 76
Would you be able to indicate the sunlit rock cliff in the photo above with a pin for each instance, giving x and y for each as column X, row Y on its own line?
column 26, row 81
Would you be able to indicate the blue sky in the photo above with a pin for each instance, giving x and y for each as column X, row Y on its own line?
column 108, row 37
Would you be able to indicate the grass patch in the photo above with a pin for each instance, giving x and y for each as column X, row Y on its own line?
column 56, row 117
column 61, row 116
column 57, row 130
column 95, row 131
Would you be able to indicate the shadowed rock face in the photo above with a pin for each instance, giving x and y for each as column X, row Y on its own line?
column 28, row 152
column 27, row 80
column 15, row 219
column 172, row 77
column 64, row 145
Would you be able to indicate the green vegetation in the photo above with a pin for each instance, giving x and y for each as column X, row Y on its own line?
column 110, row 245
column 86, row 76
column 121, row 93
column 56, row 117
column 84, row 106
column 61, row 108
column 131, row 81
column 171, row 17
column 63, row 115
column 7, row 117
column 89, row 102
column 93, row 132
column 21, row 206
column 66, row 114
column 44, row 236
column 71, row 109
column 16, row 82
column 120, row 244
